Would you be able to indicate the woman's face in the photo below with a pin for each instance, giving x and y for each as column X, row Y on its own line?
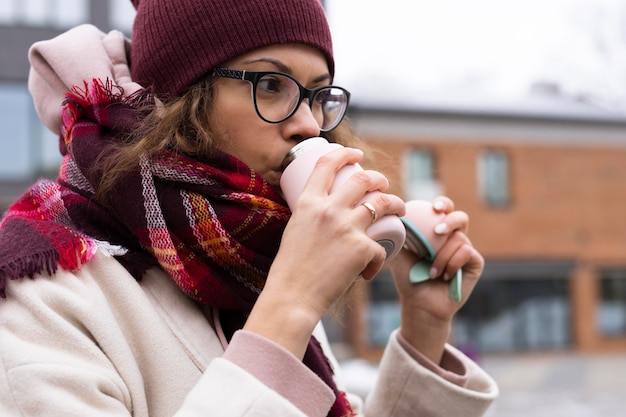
column 238, row 129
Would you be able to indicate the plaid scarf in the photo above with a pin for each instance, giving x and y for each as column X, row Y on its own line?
column 213, row 226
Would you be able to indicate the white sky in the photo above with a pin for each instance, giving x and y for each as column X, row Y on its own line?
column 420, row 50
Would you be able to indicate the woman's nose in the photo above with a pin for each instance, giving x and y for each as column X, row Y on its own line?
column 302, row 124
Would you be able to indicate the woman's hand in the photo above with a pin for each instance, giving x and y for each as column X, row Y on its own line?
column 426, row 307
column 324, row 249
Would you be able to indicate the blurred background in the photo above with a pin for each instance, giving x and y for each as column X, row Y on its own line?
column 516, row 109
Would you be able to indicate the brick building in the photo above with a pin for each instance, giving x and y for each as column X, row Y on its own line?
column 545, row 193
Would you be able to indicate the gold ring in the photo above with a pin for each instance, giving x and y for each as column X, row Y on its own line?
column 372, row 210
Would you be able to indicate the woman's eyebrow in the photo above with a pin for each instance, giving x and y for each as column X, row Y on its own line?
column 279, row 65
column 285, row 68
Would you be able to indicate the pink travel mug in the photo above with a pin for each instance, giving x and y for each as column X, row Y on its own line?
column 388, row 230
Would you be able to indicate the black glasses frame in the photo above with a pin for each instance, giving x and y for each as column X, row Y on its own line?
column 254, row 76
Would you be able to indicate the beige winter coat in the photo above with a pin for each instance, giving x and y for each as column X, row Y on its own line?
column 96, row 343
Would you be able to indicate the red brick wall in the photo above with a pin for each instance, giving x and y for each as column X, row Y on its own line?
column 565, row 202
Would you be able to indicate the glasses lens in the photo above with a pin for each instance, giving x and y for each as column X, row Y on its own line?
column 332, row 102
column 276, row 97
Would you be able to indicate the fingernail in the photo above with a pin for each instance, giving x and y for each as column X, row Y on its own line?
column 433, row 273
column 438, row 205
column 441, row 228
column 446, row 276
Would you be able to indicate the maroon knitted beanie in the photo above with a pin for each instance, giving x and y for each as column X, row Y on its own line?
column 176, row 42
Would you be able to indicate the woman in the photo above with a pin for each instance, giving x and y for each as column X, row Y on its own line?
column 169, row 277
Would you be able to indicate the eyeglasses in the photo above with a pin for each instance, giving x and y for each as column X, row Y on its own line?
column 277, row 96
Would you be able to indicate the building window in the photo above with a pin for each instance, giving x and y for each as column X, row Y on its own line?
column 29, row 149
column 17, row 159
column 515, row 314
column 493, row 178
column 44, row 13
column 421, row 183
column 612, row 307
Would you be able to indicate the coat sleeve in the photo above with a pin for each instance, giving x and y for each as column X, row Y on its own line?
column 406, row 388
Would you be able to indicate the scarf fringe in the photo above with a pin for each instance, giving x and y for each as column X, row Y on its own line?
column 68, row 258
column 103, row 92
column 29, row 266
column 79, row 101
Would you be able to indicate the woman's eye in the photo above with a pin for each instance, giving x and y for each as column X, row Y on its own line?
column 322, row 96
column 269, row 85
